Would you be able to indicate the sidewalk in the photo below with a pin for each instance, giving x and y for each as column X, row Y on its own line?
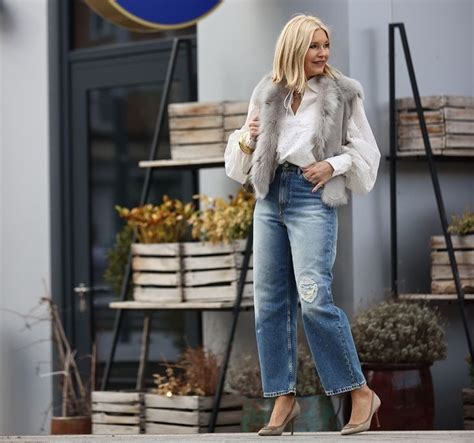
column 300, row 437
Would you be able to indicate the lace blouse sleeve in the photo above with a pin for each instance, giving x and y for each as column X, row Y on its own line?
column 238, row 163
column 363, row 149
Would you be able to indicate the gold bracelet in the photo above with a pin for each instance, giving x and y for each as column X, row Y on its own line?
column 244, row 147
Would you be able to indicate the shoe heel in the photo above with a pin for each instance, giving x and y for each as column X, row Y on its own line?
column 377, row 419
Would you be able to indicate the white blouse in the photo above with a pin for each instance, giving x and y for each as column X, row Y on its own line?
column 359, row 161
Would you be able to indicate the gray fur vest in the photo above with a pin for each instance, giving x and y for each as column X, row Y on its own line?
column 334, row 102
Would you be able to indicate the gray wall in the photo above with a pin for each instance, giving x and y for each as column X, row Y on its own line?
column 24, row 215
column 229, row 68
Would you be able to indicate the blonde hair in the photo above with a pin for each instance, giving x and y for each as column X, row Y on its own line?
column 290, row 51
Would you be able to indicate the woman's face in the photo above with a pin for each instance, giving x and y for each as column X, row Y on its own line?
column 317, row 54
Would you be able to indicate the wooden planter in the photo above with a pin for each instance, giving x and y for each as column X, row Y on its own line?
column 190, row 271
column 317, row 414
column 406, row 391
column 442, row 281
column 70, row 425
column 449, row 121
column 200, row 130
column 181, row 414
column 117, row 412
column 468, row 407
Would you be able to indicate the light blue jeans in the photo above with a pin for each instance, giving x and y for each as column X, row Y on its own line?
column 294, row 249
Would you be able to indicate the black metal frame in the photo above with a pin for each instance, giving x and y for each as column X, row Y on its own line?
column 126, row 281
column 433, row 172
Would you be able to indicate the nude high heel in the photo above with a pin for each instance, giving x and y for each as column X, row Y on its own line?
column 365, row 425
column 278, row 430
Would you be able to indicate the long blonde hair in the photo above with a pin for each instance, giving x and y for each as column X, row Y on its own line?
column 291, row 48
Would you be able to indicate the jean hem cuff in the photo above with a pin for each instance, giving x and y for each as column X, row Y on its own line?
column 345, row 389
column 278, row 393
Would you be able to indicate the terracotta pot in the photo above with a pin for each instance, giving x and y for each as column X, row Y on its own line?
column 317, row 414
column 406, row 391
column 71, row 425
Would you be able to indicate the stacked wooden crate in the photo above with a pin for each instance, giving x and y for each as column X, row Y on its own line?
column 190, row 414
column 117, row 412
column 468, row 406
column 235, row 114
column 449, row 121
column 200, row 130
column 442, row 280
column 189, row 271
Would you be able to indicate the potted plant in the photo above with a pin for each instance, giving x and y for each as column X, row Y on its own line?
column 183, row 398
column 166, row 267
column 397, row 343
column 468, row 398
column 75, row 416
column 317, row 412
column 117, row 257
column 462, row 238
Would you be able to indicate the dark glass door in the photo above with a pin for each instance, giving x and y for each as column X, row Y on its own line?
column 115, row 100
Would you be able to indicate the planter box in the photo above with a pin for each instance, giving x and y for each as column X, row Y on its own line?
column 181, row 414
column 468, row 407
column 449, row 121
column 200, row 130
column 189, row 271
column 117, row 412
column 442, row 281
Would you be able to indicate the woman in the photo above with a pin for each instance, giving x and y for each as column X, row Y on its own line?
column 306, row 140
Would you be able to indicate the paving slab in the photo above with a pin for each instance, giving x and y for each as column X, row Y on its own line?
column 298, row 437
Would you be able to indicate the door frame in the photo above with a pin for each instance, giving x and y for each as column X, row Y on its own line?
column 62, row 175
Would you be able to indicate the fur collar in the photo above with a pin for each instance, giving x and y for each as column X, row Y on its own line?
column 269, row 97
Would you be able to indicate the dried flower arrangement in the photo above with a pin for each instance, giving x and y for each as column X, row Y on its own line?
column 222, row 221
column 400, row 332
column 164, row 223
column 199, row 371
column 246, row 378
column 218, row 221
column 462, row 224
column 75, row 391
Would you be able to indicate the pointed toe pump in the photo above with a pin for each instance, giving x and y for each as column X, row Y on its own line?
column 352, row 428
column 278, row 430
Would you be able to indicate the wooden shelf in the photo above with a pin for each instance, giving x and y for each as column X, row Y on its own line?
column 196, row 163
column 451, row 154
column 435, row 297
column 204, row 305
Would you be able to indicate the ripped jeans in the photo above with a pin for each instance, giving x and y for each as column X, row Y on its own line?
column 294, row 249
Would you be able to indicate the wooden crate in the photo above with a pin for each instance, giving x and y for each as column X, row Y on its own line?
column 200, row 130
column 190, row 414
column 117, row 412
column 468, row 408
column 449, row 121
column 196, row 130
column 235, row 114
column 442, row 281
column 189, row 271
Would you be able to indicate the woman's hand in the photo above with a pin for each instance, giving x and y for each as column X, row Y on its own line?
column 254, row 126
column 318, row 173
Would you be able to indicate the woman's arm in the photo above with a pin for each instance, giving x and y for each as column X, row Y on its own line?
column 360, row 159
column 238, row 163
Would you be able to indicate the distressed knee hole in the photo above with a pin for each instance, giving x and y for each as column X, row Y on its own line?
column 307, row 289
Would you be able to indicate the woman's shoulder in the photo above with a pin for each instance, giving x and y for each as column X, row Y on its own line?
column 350, row 87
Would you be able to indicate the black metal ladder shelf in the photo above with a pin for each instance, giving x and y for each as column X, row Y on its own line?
column 151, row 164
column 394, row 158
